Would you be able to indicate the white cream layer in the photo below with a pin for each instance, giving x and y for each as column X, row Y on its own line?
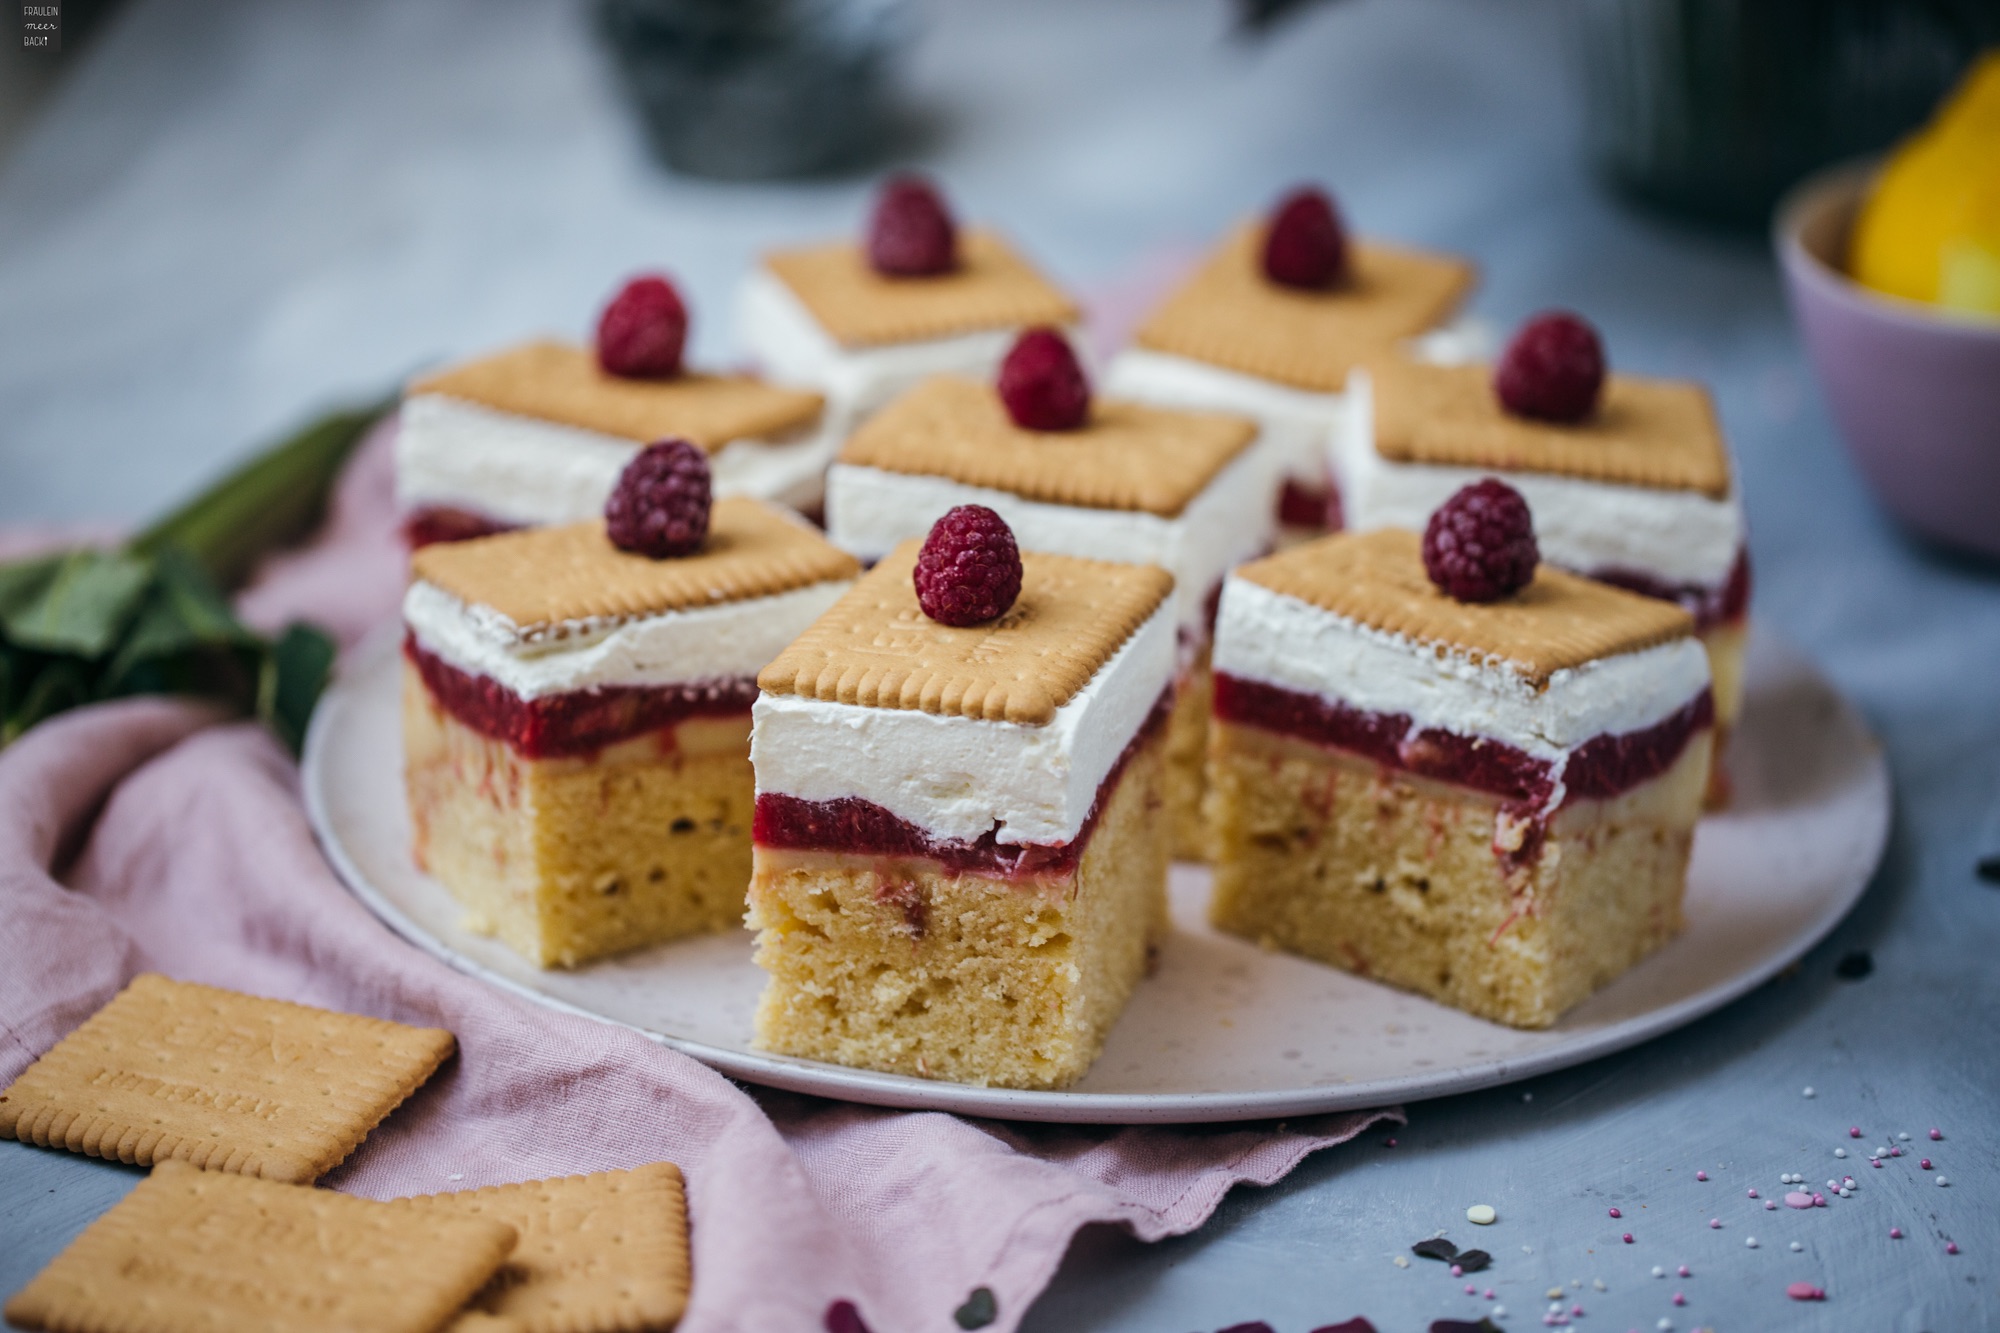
column 870, row 510
column 527, row 471
column 1681, row 537
column 1279, row 640
column 1298, row 422
column 777, row 331
column 727, row 641
column 959, row 778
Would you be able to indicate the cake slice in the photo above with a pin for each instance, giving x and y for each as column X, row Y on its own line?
column 538, row 433
column 576, row 723
column 960, row 863
column 1636, row 490
column 1491, row 804
column 1187, row 491
column 1265, row 331
column 862, row 321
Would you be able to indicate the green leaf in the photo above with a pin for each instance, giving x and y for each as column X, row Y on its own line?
column 85, row 606
column 295, row 672
column 60, row 684
column 21, row 581
column 183, row 611
column 274, row 498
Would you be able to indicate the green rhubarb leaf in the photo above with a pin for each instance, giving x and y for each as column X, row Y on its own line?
column 295, row 672
column 183, row 612
column 58, row 685
column 21, row 581
column 85, row 606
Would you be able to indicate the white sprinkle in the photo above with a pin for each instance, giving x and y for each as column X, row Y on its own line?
column 1665, row 1325
column 1750, row 1242
column 1527, row 1096
column 1943, row 1181
column 1481, row 1214
column 1555, row 1307
column 1527, row 1249
column 1499, row 1312
column 1840, row 1152
column 1810, row 1093
column 1845, row 1192
column 1833, row 1184
column 1880, row 1152
column 1400, row 1261
column 1902, row 1138
column 1659, row 1271
column 456, row 1175
column 1598, row 1283
column 1796, row 1247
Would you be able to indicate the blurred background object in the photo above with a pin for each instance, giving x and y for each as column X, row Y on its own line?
column 1711, row 109
column 762, row 89
column 27, row 77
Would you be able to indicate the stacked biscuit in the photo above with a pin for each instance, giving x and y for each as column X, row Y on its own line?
column 239, row 1104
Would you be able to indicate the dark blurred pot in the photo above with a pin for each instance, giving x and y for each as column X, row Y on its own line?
column 760, row 89
column 1711, row 109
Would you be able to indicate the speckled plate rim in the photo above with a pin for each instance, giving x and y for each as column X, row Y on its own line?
column 1869, row 787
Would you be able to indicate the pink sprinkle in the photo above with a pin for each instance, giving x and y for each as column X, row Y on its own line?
column 1616, row 1213
column 1715, row 1223
column 1753, row 1194
column 1628, row 1238
column 1471, row 1290
column 1576, row 1309
column 1388, row 1143
column 1925, row 1164
column 1798, row 1199
column 1854, row 1131
column 1895, row 1152
column 1805, row 1291
column 1876, row 1163
column 1937, row 1134
column 1895, row 1233
column 1457, row 1271
column 1819, row 1200
column 1680, row 1299
column 1951, row 1247
column 1684, row 1271
column 1701, row 1175
column 1770, row 1206
column 1489, row 1293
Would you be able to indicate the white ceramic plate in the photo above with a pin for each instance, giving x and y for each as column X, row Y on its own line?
column 1223, row 1030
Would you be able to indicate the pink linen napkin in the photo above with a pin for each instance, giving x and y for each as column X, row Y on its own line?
column 152, row 835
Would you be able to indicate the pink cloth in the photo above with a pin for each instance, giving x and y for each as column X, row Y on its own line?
column 149, row 835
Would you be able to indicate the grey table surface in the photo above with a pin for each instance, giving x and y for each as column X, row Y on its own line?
column 233, row 213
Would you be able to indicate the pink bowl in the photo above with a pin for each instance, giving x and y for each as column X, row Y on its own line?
column 1916, row 391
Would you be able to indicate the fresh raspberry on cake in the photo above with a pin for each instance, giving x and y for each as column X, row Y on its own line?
column 1480, row 545
column 659, row 507
column 969, row 570
column 1306, row 245
column 1042, row 383
column 911, row 234
column 641, row 333
column 1553, row 370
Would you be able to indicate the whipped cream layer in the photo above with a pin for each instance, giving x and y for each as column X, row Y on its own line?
column 960, row 778
column 1299, row 423
column 728, row 641
column 791, row 347
column 1588, row 527
column 529, row 472
column 870, row 510
column 1274, row 639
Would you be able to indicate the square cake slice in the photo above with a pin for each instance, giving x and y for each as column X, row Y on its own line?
column 1187, row 491
column 960, row 859
column 1641, row 494
column 822, row 317
column 539, row 433
column 1233, row 340
column 576, row 723
column 1490, row 804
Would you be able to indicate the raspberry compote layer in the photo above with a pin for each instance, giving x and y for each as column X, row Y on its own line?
column 444, row 523
column 855, row 826
column 579, row 723
column 1602, row 767
column 1304, row 505
column 1723, row 604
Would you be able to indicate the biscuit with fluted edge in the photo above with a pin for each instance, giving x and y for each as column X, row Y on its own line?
column 1229, row 314
column 1558, row 621
column 170, row 1070
column 992, row 288
column 602, row 1253
column 192, row 1251
column 875, row 647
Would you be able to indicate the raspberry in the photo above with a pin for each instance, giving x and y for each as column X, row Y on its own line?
column 1480, row 545
column 1306, row 246
column 911, row 234
column 1041, row 383
column 1553, row 370
column 659, row 507
column 843, row 1317
column 641, row 333
column 970, row 568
